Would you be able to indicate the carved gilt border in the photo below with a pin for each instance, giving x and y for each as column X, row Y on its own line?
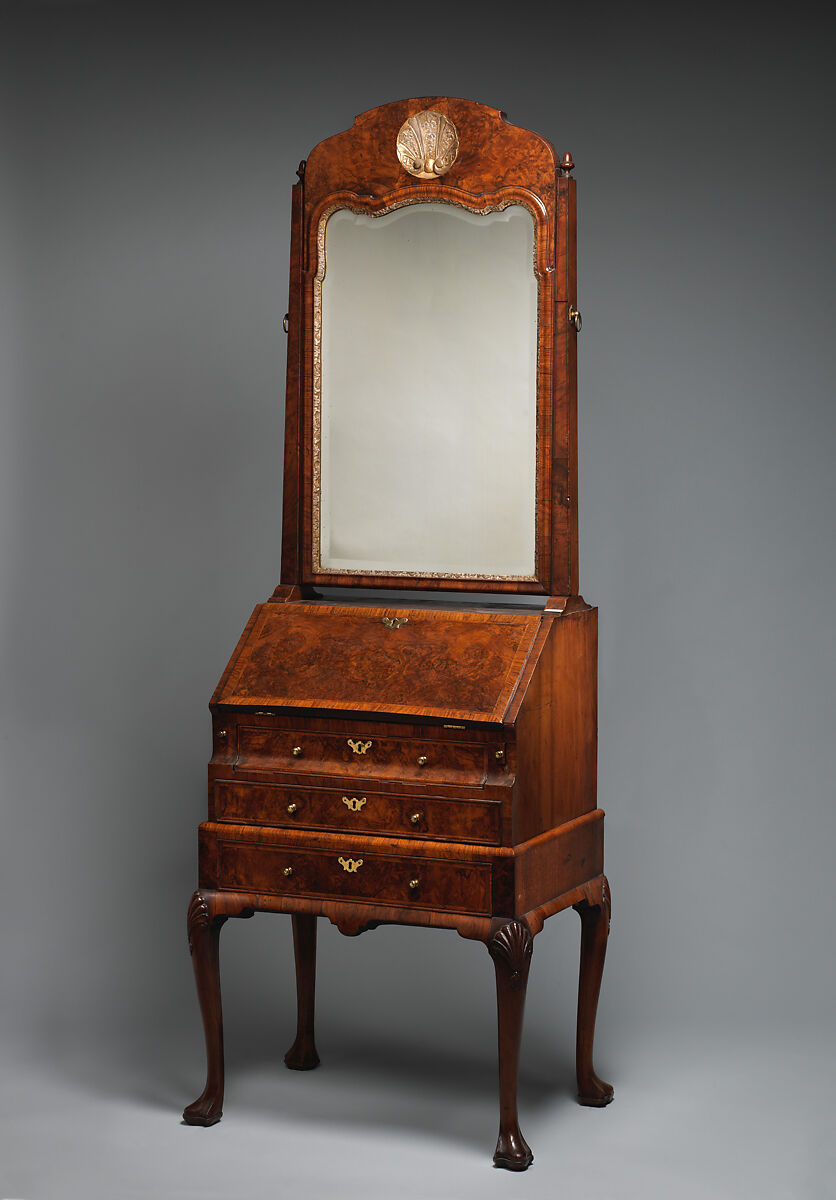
column 507, row 198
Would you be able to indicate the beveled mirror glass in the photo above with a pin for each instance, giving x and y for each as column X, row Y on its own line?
column 425, row 393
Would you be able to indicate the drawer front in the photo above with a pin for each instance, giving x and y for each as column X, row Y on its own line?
column 362, row 755
column 397, row 880
column 349, row 809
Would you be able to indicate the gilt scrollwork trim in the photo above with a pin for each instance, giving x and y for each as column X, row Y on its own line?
column 427, row 144
column 498, row 205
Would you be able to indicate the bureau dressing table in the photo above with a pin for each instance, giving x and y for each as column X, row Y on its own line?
column 433, row 761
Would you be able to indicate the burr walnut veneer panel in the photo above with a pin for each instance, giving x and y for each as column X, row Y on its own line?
column 355, row 809
column 461, row 665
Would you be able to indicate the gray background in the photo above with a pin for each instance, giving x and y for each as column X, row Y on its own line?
column 148, row 155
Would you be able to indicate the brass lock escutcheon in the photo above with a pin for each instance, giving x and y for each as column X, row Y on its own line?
column 354, row 803
column 394, row 622
column 350, row 864
column 359, row 747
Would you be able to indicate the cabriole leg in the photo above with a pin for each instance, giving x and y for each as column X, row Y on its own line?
column 204, row 925
column 510, row 948
column 302, row 1055
column 595, row 927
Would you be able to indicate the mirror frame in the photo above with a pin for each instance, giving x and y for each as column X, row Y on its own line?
column 497, row 165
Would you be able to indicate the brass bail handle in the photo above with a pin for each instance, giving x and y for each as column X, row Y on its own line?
column 575, row 319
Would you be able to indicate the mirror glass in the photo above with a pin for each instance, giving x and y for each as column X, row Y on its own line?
column 425, row 393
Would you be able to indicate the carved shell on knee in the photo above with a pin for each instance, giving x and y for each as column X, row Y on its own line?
column 427, row 144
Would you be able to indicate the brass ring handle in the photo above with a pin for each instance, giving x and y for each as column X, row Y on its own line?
column 287, row 872
column 575, row 318
column 414, row 885
column 297, row 750
column 415, row 818
column 291, row 808
column 286, row 322
column 423, row 760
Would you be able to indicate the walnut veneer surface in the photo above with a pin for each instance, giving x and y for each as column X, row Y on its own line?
column 428, row 764
column 437, row 664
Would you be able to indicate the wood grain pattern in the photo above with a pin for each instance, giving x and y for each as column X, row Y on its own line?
column 396, row 880
column 519, row 879
column 557, row 729
column 302, row 1055
column 357, row 723
column 354, row 917
column 594, row 911
column 381, row 758
column 498, row 164
column 565, row 448
column 492, row 154
column 367, row 812
column 234, row 657
column 558, row 861
column 459, row 665
column 291, row 526
column 204, row 921
column 510, row 948
column 472, row 804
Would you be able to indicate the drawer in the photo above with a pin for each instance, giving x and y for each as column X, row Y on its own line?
column 355, row 874
column 356, row 756
column 357, row 809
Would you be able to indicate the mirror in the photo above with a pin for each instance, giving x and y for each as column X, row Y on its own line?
column 425, row 393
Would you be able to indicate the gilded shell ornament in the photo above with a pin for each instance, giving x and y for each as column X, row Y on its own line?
column 427, row 144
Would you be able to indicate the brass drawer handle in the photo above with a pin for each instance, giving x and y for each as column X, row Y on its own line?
column 500, row 754
column 291, row 808
column 350, row 864
column 297, row 750
column 415, row 818
column 414, row 885
column 287, row 872
column 354, row 803
column 221, row 733
column 575, row 318
column 359, row 747
column 423, row 760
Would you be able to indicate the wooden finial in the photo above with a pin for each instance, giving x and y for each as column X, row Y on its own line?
column 566, row 166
